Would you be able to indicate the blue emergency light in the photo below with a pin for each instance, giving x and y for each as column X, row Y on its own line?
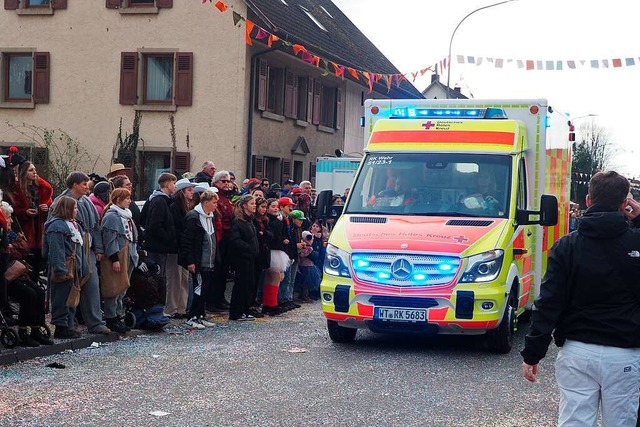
column 447, row 113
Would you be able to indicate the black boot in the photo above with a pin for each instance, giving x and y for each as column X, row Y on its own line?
column 25, row 340
column 38, row 336
column 116, row 325
column 65, row 333
column 127, row 329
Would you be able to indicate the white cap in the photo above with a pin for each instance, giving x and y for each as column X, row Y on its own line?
column 201, row 187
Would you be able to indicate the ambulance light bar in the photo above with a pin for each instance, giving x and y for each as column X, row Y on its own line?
column 447, row 113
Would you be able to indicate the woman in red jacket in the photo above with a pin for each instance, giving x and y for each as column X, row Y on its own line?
column 32, row 199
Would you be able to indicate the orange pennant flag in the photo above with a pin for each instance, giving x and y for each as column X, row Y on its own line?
column 297, row 48
column 272, row 39
column 316, row 61
column 354, row 73
column 337, row 70
column 249, row 28
column 221, row 6
column 369, row 77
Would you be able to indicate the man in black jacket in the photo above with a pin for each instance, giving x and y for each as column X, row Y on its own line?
column 159, row 229
column 591, row 297
column 207, row 172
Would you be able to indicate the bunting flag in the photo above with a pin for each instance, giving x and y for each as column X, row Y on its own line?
column 255, row 32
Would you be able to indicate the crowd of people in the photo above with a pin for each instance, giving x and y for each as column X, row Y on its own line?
column 199, row 233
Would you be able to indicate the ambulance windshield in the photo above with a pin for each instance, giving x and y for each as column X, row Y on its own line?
column 433, row 184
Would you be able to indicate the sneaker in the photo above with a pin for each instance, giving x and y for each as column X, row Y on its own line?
column 273, row 311
column 62, row 332
column 194, row 324
column 204, row 322
column 244, row 318
column 255, row 313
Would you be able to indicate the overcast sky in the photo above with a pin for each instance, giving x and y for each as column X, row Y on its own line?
column 414, row 34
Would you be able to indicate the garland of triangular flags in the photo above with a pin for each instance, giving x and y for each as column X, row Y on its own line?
column 255, row 32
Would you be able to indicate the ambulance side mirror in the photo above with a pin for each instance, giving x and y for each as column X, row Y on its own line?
column 323, row 203
column 547, row 216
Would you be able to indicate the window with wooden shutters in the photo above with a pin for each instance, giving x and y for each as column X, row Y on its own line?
column 181, row 162
column 258, row 167
column 285, row 172
column 129, row 78
column 24, row 78
column 262, row 86
column 139, row 6
column 328, row 106
column 317, row 100
column 291, row 95
column 184, row 78
column 275, row 90
column 35, row 7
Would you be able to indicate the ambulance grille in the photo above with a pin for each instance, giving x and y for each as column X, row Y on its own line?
column 368, row 220
column 404, row 270
column 469, row 222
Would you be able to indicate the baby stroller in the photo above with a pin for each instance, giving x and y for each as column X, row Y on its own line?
column 144, row 301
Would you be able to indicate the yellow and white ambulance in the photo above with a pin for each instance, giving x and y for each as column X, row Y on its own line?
column 450, row 218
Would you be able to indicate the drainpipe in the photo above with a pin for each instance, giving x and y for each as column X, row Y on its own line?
column 252, row 102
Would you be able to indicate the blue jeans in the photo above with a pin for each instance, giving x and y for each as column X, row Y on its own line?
column 285, row 293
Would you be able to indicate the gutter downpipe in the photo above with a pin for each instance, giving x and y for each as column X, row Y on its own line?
column 252, row 101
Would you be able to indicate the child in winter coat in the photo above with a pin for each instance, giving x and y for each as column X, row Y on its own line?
column 119, row 237
column 62, row 239
column 309, row 275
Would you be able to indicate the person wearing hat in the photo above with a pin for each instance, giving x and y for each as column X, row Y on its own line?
column 216, row 300
column 100, row 196
column 287, row 186
column 275, row 191
column 182, row 202
column 308, row 277
column 118, row 169
column 294, row 221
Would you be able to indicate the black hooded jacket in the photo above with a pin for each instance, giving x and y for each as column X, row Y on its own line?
column 591, row 291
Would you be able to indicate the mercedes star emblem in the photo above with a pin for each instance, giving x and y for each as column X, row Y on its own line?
column 401, row 269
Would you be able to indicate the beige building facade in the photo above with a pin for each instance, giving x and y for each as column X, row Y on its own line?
column 85, row 43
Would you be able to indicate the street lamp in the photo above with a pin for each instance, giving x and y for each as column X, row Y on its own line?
column 454, row 33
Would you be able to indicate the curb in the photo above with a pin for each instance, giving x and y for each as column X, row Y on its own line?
column 20, row 354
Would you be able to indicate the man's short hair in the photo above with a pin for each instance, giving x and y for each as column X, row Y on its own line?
column 166, row 177
column 608, row 189
column 221, row 175
column 76, row 177
column 207, row 163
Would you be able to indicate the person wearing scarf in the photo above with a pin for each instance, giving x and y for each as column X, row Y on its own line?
column 118, row 232
column 62, row 238
column 198, row 252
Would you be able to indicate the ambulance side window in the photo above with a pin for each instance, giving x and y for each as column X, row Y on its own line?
column 522, row 185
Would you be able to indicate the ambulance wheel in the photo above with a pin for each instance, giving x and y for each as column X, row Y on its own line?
column 339, row 333
column 500, row 340
column 9, row 338
column 130, row 320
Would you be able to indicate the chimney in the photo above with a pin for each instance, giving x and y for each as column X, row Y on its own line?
column 435, row 77
column 457, row 88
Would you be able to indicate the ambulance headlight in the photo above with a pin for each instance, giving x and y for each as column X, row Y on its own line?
column 336, row 262
column 483, row 267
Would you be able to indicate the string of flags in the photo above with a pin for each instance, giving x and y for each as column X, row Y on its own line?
column 257, row 33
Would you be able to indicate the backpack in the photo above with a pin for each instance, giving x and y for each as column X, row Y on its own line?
column 152, row 319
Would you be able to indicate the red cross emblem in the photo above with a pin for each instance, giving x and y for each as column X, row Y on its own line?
column 428, row 125
column 460, row 239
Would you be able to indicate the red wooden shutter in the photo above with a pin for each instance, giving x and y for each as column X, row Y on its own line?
column 339, row 109
column 184, row 78
column 289, row 94
column 41, row 77
column 285, row 172
column 58, row 4
column 262, row 85
column 181, row 162
column 113, row 4
column 11, row 4
column 258, row 167
column 165, row 4
column 129, row 78
column 317, row 94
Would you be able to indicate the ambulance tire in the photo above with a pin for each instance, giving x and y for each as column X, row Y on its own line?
column 500, row 340
column 340, row 334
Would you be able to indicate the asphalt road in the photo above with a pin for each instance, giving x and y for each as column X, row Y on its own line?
column 281, row 371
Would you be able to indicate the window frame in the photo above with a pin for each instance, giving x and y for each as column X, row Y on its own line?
column 328, row 111
column 145, row 76
column 40, row 78
column 277, row 95
column 6, row 63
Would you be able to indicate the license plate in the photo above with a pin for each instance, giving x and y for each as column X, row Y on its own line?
column 400, row 314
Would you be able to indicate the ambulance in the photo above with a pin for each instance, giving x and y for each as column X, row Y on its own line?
column 450, row 218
